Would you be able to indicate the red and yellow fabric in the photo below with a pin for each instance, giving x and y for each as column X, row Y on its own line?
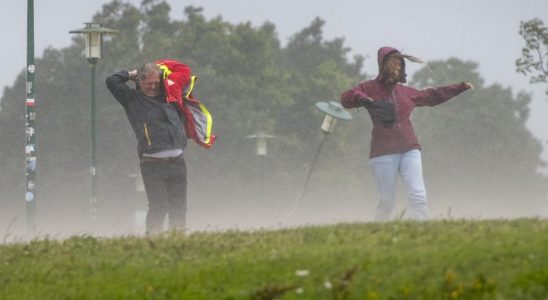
column 199, row 122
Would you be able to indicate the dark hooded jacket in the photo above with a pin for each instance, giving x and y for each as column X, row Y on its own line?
column 400, row 137
column 157, row 125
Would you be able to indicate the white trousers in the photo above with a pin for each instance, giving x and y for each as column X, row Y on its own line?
column 409, row 166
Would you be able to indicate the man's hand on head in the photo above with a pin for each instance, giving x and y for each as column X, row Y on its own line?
column 133, row 75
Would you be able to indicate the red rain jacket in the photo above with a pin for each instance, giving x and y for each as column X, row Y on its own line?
column 400, row 138
column 198, row 121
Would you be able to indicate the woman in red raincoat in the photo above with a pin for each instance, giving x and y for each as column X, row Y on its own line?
column 394, row 146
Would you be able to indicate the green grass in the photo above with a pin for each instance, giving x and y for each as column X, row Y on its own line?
column 399, row 260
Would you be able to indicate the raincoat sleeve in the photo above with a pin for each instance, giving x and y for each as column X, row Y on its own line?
column 353, row 97
column 439, row 95
column 116, row 84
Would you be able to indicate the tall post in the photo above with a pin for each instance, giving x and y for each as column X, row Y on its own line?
column 93, row 169
column 94, row 43
column 30, row 149
column 309, row 175
column 333, row 112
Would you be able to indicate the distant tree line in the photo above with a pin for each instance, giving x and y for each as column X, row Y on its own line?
column 478, row 151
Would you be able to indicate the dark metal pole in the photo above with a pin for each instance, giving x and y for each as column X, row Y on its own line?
column 307, row 180
column 30, row 149
column 93, row 170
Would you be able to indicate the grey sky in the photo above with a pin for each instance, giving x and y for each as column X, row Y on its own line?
column 484, row 31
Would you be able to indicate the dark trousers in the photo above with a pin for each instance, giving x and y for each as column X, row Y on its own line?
column 165, row 184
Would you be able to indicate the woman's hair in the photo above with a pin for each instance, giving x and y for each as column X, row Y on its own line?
column 389, row 74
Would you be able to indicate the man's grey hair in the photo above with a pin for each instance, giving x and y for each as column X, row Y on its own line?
column 147, row 69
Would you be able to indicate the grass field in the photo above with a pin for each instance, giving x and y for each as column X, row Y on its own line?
column 397, row 260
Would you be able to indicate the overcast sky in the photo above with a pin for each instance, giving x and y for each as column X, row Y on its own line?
column 484, row 31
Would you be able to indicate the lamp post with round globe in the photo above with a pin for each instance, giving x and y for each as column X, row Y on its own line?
column 93, row 33
column 333, row 111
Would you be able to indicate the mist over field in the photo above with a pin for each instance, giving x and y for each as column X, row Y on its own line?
column 480, row 160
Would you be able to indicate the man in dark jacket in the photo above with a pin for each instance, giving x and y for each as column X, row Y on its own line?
column 161, row 140
column 394, row 146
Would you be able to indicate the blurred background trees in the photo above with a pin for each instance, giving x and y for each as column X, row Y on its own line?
column 478, row 154
column 534, row 56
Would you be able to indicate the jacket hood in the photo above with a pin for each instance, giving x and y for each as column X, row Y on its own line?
column 382, row 56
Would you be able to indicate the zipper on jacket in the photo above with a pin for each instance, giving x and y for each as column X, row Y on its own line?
column 146, row 135
column 397, row 123
column 392, row 99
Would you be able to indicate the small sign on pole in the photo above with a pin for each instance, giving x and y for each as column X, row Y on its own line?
column 30, row 130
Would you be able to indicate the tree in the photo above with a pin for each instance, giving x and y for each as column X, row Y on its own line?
column 478, row 150
column 249, row 82
column 534, row 56
column 244, row 80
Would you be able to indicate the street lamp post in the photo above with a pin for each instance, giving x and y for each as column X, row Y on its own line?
column 139, row 213
column 93, row 33
column 261, row 149
column 333, row 111
column 261, row 142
